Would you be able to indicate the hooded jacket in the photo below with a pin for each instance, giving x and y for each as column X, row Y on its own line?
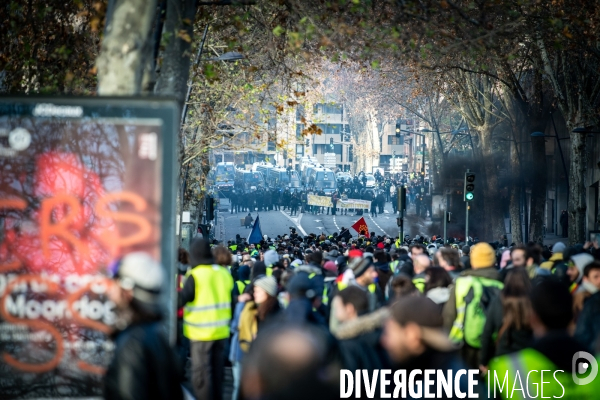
column 359, row 342
column 588, row 323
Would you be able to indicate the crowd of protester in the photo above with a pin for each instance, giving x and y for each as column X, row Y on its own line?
column 289, row 312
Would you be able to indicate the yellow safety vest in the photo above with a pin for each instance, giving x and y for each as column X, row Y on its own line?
column 419, row 284
column 394, row 265
column 233, row 247
column 269, row 271
column 470, row 317
column 372, row 287
column 241, row 285
column 207, row 317
column 529, row 364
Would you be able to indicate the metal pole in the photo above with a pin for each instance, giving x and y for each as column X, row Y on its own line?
column 445, row 227
column 423, row 147
column 401, row 227
column 467, row 225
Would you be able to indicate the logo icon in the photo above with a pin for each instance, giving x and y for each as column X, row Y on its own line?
column 19, row 139
column 580, row 367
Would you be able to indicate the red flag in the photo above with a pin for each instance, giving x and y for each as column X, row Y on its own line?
column 361, row 225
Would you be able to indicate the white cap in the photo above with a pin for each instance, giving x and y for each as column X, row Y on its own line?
column 140, row 271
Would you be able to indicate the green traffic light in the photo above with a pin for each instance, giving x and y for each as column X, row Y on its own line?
column 469, row 196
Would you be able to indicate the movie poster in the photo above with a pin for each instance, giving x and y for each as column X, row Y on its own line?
column 81, row 184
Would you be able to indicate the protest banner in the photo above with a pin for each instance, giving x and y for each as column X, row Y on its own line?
column 325, row 201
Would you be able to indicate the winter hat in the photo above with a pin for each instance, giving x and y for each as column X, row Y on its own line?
column 271, row 257
column 360, row 267
column 268, row 284
column 355, row 254
column 330, row 266
column 380, row 245
column 141, row 274
column 581, row 261
column 559, row 247
column 332, row 255
column 302, row 286
column 482, row 256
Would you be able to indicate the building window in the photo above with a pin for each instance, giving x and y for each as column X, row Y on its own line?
column 299, row 129
column 330, row 129
column 395, row 140
column 332, row 109
column 327, row 108
column 299, row 112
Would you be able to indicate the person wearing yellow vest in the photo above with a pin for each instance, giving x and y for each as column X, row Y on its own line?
column 473, row 291
column 206, row 297
column 365, row 277
column 575, row 269
column 240, row 285
column 420, row 263
column 553, row 351
column 271, row 258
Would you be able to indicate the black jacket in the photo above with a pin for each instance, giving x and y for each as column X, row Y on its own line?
column 359, row 343
column 510, row 341
column 144, row 366
column 384, row 273
column 405, row 266
column 438, row 360
column 588, row 324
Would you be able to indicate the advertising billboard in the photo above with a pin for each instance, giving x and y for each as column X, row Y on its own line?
column 83, row 181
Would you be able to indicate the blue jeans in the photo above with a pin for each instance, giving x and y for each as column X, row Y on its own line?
column 236, row 369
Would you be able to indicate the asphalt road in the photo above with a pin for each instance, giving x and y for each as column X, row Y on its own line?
column 275, row 223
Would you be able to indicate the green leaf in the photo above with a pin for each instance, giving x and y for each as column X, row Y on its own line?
column 278, row 31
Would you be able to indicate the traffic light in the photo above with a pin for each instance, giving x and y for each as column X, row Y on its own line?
column 308, row 142
column 401, row 198
column 400, row 222
column 469, row 186
column 398, row 128
column 210, row 208
column 331, row 142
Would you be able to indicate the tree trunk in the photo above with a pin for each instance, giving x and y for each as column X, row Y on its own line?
column 495, row 225
column 515, row 196
column 126, row 48
column 577, row 188
column 538, row 189
column 175, row 69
